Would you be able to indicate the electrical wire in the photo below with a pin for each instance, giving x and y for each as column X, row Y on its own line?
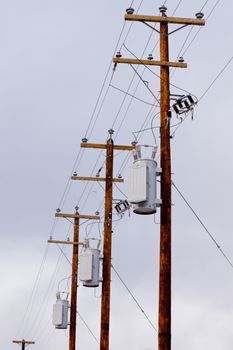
column 216, row 78
column 133, row 297
column 136, row 98
column 33, row 292
column 204, row 226
column 84, row 322
column 146, row 85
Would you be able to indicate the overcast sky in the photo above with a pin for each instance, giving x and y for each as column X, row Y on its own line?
column 54, row 58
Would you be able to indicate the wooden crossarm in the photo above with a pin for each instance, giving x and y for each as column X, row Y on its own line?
column 159, row 19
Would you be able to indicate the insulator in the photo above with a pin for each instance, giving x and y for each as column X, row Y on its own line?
column 176, row 109
column 150, row 57
column 181, row 59
column 187, row 105
column 129, row 11
column 68, row 239
column 122, row 206
column 118, row 54
column 180, row 103
column 110, row 131
column 97, row 175
column 199, row 15
column 76, row 208
column 58, row 210
column 133, row 143
column 163, row 9
column 75, row 174
column 97, row 212
column 119, row 176
column 191, row 99
column 84, row 140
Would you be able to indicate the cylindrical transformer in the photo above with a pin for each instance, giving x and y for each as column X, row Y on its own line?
column 142, row 186
column 60, row 314
column 89, row 267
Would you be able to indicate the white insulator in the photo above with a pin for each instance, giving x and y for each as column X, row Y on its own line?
column 60, row 314
column 89, row 267
column 142, row 186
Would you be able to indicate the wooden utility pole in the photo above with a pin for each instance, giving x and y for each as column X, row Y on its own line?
column 164, row 339
column 164, row 319
column 23, row 343
column 105, row 301
column 107, row 248
column 74, row 279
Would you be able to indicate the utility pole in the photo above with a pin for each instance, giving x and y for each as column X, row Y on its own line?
column 164, row 319
column 23, row 343
column 108, row 179
column 74, row 279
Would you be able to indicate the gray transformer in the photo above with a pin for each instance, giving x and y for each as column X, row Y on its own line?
column 60, row 314
column 89, row 267
column 143, row 185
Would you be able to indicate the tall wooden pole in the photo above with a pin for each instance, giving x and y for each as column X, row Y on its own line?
column 74, row 281
column 105, row 305
column 164, row 339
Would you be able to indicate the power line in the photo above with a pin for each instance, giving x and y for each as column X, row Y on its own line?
column 136, row 301
column 33, row 292
column 204, row 226
column 136, row 98
column 219, row 74
column 93, row 335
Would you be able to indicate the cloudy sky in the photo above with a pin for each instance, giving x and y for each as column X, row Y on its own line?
column 54, row 58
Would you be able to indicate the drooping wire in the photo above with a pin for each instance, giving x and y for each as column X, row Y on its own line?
column 204, row 226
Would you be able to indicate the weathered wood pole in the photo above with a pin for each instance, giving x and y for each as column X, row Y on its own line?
column 74, row 282
column 105, row 304
column 164, row 339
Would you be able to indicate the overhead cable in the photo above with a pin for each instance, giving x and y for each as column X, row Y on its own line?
column 136, row 301
column 204, row 226
column 219, row 74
